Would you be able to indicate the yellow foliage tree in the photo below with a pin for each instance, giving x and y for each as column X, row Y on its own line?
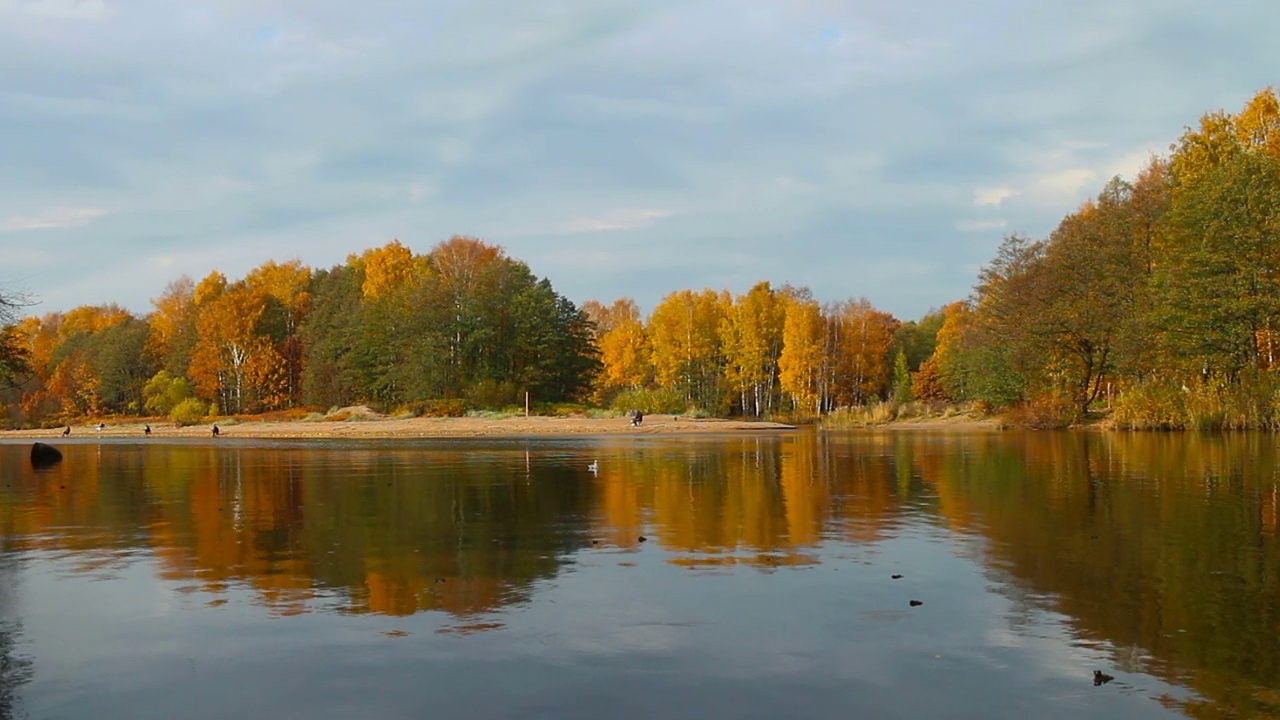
column 232, row 363
column 751, row 334
column 800, row 365
column 1258, row 124
column 624, row 346
column 684, row 340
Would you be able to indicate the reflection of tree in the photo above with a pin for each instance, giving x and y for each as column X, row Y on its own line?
column 15, row 670
column 1162, row 547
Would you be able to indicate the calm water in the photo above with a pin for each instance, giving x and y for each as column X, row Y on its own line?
column 507, row 579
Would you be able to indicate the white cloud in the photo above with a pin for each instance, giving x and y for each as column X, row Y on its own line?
column 52, row 219
column 627, row 219
column 993, row 196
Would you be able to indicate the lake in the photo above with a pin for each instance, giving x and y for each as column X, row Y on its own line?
column 747, row 577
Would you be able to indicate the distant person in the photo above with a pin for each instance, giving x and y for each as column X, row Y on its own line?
column 215, row 430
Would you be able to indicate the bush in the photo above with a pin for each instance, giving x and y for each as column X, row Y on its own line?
column 857, row 416
column 444, row 407
column 1046, row 412
column 190, row 412
column 653, row 402
column 490, row 394
column 163, row 393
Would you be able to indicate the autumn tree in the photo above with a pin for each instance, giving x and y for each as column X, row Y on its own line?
column 1219, row 279
column 858, row 341
column 173, row 326
column 685, row 341
column 15, row 363
column 751, row 337
column 800, row 363
column 234, row 362
column 623, row 340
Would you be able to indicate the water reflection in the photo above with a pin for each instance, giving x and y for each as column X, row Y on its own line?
column 1157, row 550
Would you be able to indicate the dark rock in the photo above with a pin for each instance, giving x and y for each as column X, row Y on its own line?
column 44, row 455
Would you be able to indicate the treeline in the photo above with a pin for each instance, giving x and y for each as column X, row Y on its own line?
column 1160, row 298
column 462, row 327
column 464, row 322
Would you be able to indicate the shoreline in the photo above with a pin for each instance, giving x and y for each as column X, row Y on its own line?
column 477, row 427
column 420, row 427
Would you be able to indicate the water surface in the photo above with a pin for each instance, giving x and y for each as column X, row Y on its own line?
column 682, row 577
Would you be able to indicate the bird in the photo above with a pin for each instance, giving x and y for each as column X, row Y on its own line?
column 1101, row 678
column 66, row 431
column 215, row 431
column 146, row 430
column 102, row 426
column 594, row 467
column 916, row 603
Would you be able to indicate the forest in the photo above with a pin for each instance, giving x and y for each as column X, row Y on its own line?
column 1156, row 304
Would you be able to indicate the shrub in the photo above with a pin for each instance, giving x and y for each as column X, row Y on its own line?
column 653, row 402
column 856, row 416
column 1046, row 412
column 493, row 394
column 190, row 412
column 163, row 392
column 443, row 407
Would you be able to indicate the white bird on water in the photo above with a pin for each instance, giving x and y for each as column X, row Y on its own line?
column 594, row 467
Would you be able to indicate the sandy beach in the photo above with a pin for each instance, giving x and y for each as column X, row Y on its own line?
column 381, row 427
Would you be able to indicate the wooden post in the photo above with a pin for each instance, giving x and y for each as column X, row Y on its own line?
column 526, row 403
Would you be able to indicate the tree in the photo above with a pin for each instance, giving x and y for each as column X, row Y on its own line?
column 1219, row 279
column 751, row 337
column 173, row 326
column 800, row 364
column 15, row 357
column 623, row 341
column 684, row 337
column 858, row 340
column 233, row 362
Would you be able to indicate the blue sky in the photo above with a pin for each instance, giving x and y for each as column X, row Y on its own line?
column 620, row 147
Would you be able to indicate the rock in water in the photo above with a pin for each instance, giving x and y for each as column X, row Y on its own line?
column 45, row 455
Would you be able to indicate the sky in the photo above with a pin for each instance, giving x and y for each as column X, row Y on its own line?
column 874, row 149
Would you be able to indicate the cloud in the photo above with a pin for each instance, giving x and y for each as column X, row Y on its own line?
column 53, row 219
column 992, row 196
column 626, row 219
column 731, row 140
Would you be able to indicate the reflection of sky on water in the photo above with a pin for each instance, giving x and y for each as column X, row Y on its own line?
column 601, row 637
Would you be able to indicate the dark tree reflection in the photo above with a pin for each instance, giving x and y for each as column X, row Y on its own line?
column 15, row 670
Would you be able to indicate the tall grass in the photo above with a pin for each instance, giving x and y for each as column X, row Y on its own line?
column 1249, row 403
